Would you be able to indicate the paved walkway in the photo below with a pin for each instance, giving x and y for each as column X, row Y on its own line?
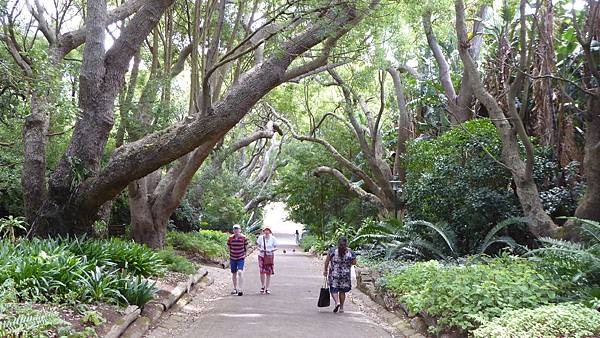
column 290, row 311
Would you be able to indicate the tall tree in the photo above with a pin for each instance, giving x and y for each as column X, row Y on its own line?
column 79, row 185
column 42, row 80
column 508, row 122
column 378, row 178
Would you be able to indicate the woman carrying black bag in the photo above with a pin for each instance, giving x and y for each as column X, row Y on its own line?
column 338, row 265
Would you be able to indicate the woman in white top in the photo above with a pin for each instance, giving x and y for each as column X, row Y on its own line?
column 267, row 244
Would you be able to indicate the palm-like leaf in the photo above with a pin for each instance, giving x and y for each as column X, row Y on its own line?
column 447, row 235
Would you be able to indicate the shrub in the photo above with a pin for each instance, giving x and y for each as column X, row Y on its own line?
column 560, row 320
column 311, row 242
column 174, row 262
column 126, row 255
column 71, row 270
column 20, row 320
column 137, row 291
column 465, row 295
column 439, row 171
column 208, row 243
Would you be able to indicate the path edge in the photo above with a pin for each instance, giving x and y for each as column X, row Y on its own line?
column 136, row 321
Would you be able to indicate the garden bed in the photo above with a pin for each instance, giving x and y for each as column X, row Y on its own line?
column 480, row 296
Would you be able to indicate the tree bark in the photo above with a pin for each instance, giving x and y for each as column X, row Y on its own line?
column 542, row 119
column 589, row 207
column 404, row 125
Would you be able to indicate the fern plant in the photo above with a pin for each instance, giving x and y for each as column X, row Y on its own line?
column 579, row 260
column 425, row 240
column 30, row 324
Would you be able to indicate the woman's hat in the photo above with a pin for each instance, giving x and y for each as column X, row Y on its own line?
column 267, row 228
column 236, row 226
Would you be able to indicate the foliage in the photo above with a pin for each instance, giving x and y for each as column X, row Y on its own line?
column 314, row 244
column 74, row 270
column 318, row 201
column 125, row 255
column 9, row 225
column 220, row 207
column 137, row 291
column 93, row 318
column 412, row 240
column 208, row 243
column 464, row 296
column 578, row 261
column 557, row 320
column 174, row 262
column 461, row 160
column 17, row 319
column 25, row 321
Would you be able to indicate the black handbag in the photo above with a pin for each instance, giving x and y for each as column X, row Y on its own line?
column 324, row 296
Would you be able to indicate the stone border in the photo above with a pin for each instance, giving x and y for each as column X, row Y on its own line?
column 137, row 321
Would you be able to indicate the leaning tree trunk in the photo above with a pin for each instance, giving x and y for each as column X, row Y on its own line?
column 510, row 132
column 102, row 75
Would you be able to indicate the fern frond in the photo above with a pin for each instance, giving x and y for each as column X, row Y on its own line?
column 558, row 243
column 445, row 234
column 507, row 240
column 505, row 223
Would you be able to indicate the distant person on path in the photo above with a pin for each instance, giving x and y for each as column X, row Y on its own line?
column 338, row 265
column 238, row 247
column 267, row 244
column 297, row 236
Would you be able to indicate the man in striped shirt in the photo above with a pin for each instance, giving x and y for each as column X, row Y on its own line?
column 238, row 246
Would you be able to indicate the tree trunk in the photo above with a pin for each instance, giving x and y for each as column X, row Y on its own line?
column 35, row 139
column 589, row 207
column 542, row 119
column 404, row 125
column 147, row 227
column 102, row 75
column 510, row 132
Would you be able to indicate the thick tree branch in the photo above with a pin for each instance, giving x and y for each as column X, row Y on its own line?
column 349, row 185
column 140, row 158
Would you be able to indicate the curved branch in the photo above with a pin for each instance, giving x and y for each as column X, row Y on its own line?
column 336, row 155
column 349, row 185
column 439, row 57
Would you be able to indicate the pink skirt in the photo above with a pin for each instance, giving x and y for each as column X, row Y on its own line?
column 265, row 269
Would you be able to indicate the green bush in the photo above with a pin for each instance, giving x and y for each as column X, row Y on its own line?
column 73, row 270
column 126, row 255
column 441, row 170
column 21, row 320
column 560, row 320
column 208, row 243
column 174, row 262
column 463, row 296
column 137, row 291
column 310, row 242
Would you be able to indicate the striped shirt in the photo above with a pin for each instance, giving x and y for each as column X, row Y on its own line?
column 237, row 246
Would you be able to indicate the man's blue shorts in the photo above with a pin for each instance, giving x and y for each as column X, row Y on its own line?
column 236, row 264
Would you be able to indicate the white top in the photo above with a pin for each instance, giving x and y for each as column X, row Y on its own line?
column 271, row 243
